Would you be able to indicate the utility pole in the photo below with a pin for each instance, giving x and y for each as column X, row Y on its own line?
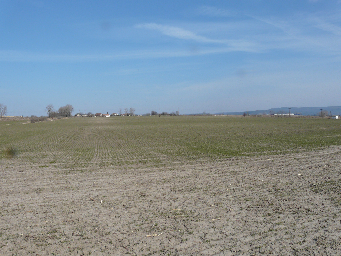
column 289, row 112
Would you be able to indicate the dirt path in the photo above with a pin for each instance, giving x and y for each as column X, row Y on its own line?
column 280, row 205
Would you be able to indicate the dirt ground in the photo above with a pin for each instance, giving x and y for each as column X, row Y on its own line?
column 274, row 205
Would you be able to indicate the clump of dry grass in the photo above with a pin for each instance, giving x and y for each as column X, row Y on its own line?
column 10, row 152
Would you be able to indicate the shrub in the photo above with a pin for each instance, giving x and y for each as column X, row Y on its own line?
column 10, row 152
column 35, row 119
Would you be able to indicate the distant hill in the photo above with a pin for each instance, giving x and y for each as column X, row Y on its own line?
column 305, row 111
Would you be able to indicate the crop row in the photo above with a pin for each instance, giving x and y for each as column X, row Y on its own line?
column 97, row 142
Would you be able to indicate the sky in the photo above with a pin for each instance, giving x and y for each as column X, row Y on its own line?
column 190, row 56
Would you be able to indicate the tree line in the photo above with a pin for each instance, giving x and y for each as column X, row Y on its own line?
column 127, row 112
column 64, row 111
column 154, row 113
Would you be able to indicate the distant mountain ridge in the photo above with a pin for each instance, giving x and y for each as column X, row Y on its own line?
column 305, row 111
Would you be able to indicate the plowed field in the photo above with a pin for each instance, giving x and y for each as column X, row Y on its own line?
column 171, row 186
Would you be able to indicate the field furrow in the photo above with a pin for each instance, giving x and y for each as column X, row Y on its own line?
column 171, row 186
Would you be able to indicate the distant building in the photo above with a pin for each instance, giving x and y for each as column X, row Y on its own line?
column 279, row 114
column 81, row 115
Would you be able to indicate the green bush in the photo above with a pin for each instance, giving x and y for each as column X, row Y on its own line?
column 10, row 152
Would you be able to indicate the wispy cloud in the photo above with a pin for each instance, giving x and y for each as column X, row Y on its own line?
column 220, row 45
column 178, row 33
column 214, row 11
column 21, row 56
column 328, row 27
column 303, row 32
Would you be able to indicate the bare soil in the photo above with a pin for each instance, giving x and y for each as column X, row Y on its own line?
column 273, row 205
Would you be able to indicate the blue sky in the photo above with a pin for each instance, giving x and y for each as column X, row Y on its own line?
column 188, row 56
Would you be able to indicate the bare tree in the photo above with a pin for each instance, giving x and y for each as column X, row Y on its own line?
column 50, row 110
column 132, row 111
column 126, row 111
column 3, row 110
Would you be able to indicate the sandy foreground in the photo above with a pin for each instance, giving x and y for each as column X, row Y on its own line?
column 279, row 205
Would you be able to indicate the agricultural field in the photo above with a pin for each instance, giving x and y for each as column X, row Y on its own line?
column 206, row 185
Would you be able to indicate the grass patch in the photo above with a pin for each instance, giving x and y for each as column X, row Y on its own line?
column 10, row 152
column 154, row 141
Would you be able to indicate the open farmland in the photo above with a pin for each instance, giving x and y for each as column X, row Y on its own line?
column 82, row 143
column 171, row 185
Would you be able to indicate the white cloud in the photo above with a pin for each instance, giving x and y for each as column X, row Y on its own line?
column 213, row 11
column 222, row 45
column 20, row 56
column 300, row 34
column 178, row 33
column 328, row 27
